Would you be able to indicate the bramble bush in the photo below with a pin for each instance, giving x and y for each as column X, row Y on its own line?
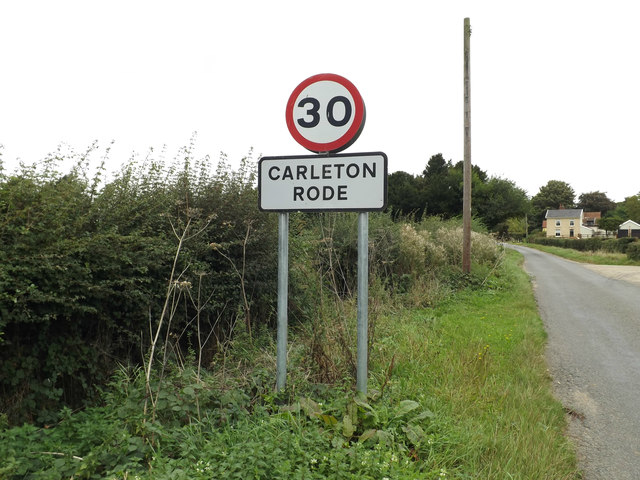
column 85, row 262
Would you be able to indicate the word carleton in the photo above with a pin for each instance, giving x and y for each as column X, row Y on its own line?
column 327, row 171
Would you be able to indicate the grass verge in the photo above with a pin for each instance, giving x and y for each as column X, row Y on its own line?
column 597, row 257
column 457, row 391
column 478, row 360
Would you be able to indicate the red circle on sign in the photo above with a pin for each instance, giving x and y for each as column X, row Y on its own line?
column 317, row 116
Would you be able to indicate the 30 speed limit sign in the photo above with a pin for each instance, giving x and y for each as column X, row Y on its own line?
column 325, row 113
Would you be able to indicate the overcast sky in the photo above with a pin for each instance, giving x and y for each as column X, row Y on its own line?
column 554, row 84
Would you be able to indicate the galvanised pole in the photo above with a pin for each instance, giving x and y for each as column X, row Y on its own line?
column 363, row 302
column 283, row 290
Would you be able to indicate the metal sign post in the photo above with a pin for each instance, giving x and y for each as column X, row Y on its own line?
column 363, row 303
column 325, row 114
column 283, row 297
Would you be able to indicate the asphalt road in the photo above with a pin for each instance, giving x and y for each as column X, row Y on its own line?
column 593, row 353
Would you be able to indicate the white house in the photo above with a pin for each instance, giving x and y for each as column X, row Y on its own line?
column 629, row 229
column 564, row 223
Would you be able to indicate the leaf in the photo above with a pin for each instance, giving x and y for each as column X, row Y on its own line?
column 329, row 420
column 188, row 390
column 405, row 407
column 347, row 427
column 311, row 408
column 352, row 412
column 385, row 438
column 290, row 408
column 370, row 417
column 337, row 442
column 367, row 434
column 415, row 434
column 362, row 403
column 422, row 415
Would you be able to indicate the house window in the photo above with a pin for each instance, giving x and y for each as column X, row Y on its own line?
column 557, row 223
column 571, row 223
column 557, row 232
column 571, row 233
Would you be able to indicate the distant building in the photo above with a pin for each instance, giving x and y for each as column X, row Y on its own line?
column 590, row 219
column 564, row 223
column 629, row 229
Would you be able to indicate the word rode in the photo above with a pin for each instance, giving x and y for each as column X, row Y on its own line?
column 313, row 193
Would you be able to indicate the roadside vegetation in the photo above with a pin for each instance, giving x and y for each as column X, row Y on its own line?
column 137, row 330
column 599, row 251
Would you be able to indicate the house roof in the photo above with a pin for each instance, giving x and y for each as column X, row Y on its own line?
column 564, row 213
column 629, row 224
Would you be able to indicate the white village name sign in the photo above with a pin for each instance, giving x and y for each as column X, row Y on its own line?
column 344, row 182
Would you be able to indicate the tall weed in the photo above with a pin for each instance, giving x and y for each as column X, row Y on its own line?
column 410, row 264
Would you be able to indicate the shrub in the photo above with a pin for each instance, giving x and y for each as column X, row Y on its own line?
column 593, row 244
column 484, row 249
column 84, row 271
column 633, row 251
column 611, row 245
column 624, row 243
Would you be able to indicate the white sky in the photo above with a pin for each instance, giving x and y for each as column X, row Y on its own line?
column 554, row 84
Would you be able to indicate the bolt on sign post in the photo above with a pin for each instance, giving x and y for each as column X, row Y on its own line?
column 325, row 114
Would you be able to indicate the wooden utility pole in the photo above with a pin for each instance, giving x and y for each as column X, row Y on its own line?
column 466, row 196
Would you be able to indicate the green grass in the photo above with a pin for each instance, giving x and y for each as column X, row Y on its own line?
column 597, row 258
column 458, row 391
column 478, row 360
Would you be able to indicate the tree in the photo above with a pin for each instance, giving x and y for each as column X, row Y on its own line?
column 609, row 224
column 436, row 166
column 553, row 195
column 498, row 200
column 517, row 226
column 442, row 188
column 632, row 206
column 595, row 202
column 444, row 184
column 405, row 195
